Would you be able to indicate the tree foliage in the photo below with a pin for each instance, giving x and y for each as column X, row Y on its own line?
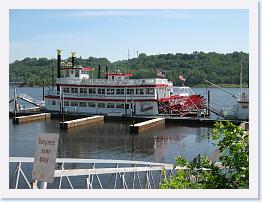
column 203, row 174
column 195, row 67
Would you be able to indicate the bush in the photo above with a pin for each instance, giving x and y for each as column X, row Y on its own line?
column 203, row 174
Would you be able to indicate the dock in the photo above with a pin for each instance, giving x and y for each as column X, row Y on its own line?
column 81, row 121
column 139, row 127
column 22, row 119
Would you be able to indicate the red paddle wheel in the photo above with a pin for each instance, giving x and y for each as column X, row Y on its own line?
column 181, row 104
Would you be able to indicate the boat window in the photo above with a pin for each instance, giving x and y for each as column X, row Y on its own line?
column 110, row 91
column 67, row 73
column 92, row 91
column 53, row 102
column 82, row 104
column 140, row 91
column 91, row 104
column 110, row 105
column 76, row 73
column 150, row 90
column 129, row 91
column 66, row 103
column 120, row 91
column 100, row 91
column 127, row 106
column 74, row 104
column 120, row 105
column 66, row 90
column 74, row 90
column 83, row 90
column 101, row 105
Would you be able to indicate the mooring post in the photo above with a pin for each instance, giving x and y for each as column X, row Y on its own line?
column 133, row 110
column 53, row 75
column 43, row 91
column 63, row 113
column 43, row 185
column 15, row 102
column 125, row 102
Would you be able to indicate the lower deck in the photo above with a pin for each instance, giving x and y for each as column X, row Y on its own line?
column 103, row 107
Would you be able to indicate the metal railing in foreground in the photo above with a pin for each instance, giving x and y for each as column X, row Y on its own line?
column 91, row 174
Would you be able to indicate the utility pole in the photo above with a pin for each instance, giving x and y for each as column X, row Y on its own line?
column 241, row 81
column 53, row 74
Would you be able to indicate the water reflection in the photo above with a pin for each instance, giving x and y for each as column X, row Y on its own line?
column 112, row 140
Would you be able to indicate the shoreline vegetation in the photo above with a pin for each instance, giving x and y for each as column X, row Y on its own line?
column 221, row 69
column 223, row 85
column 195, row 86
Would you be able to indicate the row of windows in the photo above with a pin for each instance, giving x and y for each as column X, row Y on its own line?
column 93, row 104
column 110, row 91
column 72, row 72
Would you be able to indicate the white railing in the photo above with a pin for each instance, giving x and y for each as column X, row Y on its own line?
column 114, row 82
column 91, row 174
column 182, row 91
column 109, row 96
column 31, row 100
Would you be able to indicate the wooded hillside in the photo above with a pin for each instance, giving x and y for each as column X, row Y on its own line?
column 195, row 67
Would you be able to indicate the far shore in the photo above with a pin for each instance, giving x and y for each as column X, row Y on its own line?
column 195, row 86
column 221, row 85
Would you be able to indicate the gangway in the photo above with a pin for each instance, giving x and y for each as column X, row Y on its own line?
column 233, row 95
column 28, row 99
column 31, row 100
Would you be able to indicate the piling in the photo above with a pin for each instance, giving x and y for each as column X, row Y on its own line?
column 33, row 117
column 79, row 122
column 208, row 102
column 43, row 90
column 139, row 127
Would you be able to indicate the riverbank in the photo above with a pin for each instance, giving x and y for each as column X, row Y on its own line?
column 223, row 85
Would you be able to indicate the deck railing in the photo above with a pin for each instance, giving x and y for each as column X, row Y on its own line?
column 91, row 174
column 112, row 81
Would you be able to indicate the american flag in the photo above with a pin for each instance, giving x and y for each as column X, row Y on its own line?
column 181, row 78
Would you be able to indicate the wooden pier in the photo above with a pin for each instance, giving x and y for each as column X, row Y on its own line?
column 139, row 127
column 22, row 119
column 79, row 122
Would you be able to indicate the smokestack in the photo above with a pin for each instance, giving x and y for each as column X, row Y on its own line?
column 73, row 59
column 58, row 66
column 99, row 71
column 106, row 71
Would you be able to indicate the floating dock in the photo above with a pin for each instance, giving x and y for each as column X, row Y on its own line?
column 139, row 127
column 22, row 119
column 79, row 122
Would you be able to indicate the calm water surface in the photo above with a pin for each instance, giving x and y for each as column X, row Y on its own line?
column 111, row 140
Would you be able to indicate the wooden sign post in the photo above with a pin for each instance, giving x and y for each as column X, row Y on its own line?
column 45, row 157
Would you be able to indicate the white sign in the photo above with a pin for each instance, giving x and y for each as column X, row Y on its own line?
column 45, row 157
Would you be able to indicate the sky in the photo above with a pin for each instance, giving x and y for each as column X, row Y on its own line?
column 111, row 33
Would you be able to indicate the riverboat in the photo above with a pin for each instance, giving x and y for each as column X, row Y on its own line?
column 117, row 93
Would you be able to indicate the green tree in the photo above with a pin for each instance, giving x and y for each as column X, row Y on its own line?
column 215, row 67
column 202, row 174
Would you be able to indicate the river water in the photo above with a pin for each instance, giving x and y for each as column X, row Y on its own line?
column 112, row 140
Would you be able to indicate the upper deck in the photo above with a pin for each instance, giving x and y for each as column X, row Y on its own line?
column 114, row 82
column 80, row 76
